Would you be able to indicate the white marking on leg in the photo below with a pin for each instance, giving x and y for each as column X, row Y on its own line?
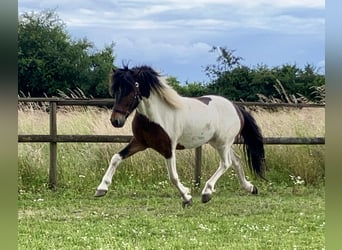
column 240, row 173
column 108, row 176
column 225, row 163
column 173, row 175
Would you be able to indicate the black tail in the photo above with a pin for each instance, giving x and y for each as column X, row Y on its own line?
column 253, row 143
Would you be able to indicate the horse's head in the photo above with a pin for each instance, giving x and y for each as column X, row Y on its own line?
column 129, row 86
column 126, row 92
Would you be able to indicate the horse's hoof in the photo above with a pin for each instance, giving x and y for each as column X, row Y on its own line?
column 100, row 193
column 206, row 198
column 187, row 203
column 254, row 190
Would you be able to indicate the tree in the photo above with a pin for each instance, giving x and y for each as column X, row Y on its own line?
column 49, row 60
column 235, row 84
column 227, row 76
column 238, row 82
column 190, row 89
column 263, row 80
column 310, row 79
column 225, row 62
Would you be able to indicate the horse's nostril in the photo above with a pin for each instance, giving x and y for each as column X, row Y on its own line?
column 113, row 122
column 116, row 123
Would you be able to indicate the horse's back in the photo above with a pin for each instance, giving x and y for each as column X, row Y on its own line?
column 208, row 118
column 224, row 108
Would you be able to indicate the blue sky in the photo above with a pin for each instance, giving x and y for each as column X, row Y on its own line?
column 175, row 36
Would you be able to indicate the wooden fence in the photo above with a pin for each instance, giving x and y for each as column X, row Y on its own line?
column 53, row 138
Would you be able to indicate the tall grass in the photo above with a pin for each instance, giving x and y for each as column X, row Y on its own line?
column 82, row 165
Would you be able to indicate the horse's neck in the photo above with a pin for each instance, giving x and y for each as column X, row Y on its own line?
column 155, row 108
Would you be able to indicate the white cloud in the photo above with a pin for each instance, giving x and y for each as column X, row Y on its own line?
column 199, row 14
column 147, row 48
column 182, row 32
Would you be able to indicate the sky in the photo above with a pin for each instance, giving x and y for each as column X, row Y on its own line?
column 175, row 36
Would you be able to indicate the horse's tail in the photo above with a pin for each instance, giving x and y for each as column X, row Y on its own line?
column 253, row 144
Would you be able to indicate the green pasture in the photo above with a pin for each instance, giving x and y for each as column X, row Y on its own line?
column 142, row 209
column 277, row 218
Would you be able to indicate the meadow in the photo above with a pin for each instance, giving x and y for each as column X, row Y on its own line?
column 142, row 209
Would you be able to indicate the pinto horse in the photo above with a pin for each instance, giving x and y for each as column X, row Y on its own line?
column 166, row 121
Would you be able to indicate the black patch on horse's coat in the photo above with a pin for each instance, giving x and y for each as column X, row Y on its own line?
column 147, row 78
column 122, row 80
column 204, row 99
column 151, row 135
column 125, row 78
column 131, row 148
column 148, row 134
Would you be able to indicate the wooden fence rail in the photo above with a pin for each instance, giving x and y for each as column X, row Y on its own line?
column 127, row 138
column 108, row 101
column 53, row 138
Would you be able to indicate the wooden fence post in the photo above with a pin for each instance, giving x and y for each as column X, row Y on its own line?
column 198, row 163
column 53, row 146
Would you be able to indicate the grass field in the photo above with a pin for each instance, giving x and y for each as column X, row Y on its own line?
column 277, row 218
column 143, row 211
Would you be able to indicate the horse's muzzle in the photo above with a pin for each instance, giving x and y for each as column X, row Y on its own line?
column 118, row 120
column 118, row 123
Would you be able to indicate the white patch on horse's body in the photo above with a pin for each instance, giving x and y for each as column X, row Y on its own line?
column 186, row 126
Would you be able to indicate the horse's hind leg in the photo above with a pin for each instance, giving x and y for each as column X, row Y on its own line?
column 225, row 163
column 131, row 148
column 240, row 173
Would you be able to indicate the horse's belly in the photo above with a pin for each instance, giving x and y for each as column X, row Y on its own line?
column 193, row 138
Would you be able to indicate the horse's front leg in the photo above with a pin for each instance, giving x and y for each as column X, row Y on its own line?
column 133, row 147
column 173, row 175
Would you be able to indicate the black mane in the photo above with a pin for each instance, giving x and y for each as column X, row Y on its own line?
column 125, row 78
